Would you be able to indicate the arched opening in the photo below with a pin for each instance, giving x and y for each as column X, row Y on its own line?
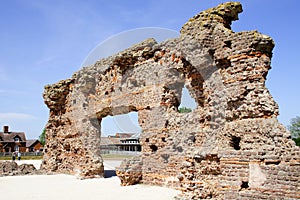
column 120, row 139
column 187, row 103
column 153, row 148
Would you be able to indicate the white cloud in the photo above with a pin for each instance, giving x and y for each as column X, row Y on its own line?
column 6, row 117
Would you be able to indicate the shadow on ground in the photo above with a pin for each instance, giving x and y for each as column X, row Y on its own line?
column 109, row 173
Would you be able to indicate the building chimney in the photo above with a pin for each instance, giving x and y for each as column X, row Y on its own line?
column 5, row 129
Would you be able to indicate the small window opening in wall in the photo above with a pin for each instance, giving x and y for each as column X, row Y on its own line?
column 125, row 123
column 188, row 104
column 245, row 185
column 228, row 43
column 153, row 148
column 272, row 162
column 235, row 142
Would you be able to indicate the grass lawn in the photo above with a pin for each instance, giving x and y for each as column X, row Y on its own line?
column 22, row 158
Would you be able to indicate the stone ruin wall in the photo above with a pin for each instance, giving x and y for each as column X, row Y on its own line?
column 230, row 147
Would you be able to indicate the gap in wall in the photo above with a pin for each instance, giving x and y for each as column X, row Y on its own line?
column 125, row 123
column 186, row 101
column 119, row 140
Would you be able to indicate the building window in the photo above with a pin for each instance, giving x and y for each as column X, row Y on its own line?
column 17, row 139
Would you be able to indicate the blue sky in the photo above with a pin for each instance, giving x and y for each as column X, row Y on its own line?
column 44, row 41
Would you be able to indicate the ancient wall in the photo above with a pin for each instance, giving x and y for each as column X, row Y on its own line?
column 230, row 147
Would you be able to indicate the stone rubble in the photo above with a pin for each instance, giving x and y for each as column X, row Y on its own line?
column 9, row 168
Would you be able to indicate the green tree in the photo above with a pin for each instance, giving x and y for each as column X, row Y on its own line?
column 184, row 110
column 297, row 140
column 294, row 128
column 42, row 137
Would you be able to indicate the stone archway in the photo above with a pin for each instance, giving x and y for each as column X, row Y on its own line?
column 232, row 131
column 150, row 84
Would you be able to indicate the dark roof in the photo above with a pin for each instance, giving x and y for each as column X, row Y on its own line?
column 30, row 143
column 10, row 136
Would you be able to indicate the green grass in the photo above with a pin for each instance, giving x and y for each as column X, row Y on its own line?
column 115, row 156
column 22, row 158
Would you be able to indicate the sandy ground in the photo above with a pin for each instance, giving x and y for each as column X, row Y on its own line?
column 50, row 187
column 108, row 164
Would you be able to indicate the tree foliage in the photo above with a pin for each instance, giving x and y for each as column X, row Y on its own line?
column 297, row 140
column 294, row 128
column 42, row 137
column 184, row 110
